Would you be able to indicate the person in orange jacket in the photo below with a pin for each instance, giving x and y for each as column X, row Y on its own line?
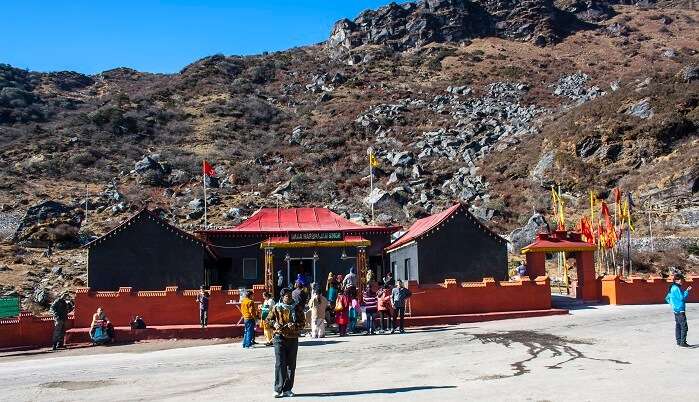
column 249, row 311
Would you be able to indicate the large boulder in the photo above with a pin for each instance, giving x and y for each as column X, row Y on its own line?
column 525, row 235
column 50, row 221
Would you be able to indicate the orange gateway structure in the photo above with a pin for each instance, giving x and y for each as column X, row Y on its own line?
column 588, row 287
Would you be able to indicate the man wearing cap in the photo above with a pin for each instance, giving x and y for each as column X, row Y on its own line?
column 676, row 297
column 60, row 309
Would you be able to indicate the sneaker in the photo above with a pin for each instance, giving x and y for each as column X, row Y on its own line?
column 683, row 345
column 278, row 395
column 289, row 394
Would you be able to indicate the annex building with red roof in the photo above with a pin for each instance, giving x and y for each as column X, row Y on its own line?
column 275, row 245
column 450, row 244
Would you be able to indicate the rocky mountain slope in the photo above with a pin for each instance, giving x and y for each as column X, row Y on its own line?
column 488, row 102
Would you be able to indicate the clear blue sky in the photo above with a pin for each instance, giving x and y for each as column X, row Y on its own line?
column 159, row 36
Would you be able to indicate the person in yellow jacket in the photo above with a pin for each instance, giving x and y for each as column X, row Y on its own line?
column 249, row 311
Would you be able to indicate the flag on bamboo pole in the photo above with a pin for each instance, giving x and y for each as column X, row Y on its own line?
column 208, row 170
column 626, row 212
column 608, row 236
column 558, row 209
column 373, row 161
column 586, row 230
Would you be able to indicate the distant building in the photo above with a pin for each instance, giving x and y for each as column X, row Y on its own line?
column 450, row 244
column 147, row 253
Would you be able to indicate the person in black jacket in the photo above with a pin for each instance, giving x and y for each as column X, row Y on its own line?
column 60, row 309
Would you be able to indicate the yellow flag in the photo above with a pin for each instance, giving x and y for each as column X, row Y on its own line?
column 373, row 161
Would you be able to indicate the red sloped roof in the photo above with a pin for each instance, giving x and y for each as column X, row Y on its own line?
column 422, row 226
column 271, row 220
column 560, row 240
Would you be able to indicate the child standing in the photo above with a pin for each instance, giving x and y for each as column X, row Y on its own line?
column 249, row 311
column 266, row 308
column 353, row 313
column 384, row 308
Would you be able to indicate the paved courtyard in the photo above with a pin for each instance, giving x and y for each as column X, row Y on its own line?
column 596, row 353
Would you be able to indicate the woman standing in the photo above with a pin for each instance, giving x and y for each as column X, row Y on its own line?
column 331, row 288
column 342, row 312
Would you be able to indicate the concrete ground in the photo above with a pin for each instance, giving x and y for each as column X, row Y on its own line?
column 596, row 353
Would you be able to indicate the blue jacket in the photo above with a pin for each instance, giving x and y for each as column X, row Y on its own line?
column 676, row 298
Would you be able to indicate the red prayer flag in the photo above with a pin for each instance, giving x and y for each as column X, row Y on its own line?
column 209, row 170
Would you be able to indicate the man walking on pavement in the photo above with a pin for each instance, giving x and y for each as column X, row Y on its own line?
column 287, row 323
column 676, row 297
column 60, row 309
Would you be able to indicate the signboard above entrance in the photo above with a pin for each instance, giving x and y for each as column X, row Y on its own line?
column 316, row 236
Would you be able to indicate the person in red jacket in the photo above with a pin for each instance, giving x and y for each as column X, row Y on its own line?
column 385, row 309
column 342, row 305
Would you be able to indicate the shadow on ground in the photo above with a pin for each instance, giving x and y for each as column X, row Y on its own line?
column 373, row 391
column 536, row 344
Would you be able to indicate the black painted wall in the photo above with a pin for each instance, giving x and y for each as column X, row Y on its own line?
column 461, row 250
column 146, row 256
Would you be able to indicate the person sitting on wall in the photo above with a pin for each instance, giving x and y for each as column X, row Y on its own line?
column 99, row 319
column 676, row 297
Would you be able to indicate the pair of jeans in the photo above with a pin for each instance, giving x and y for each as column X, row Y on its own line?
column 681, row 328
column 249, row 333
column 386, row 320
column 396, row 312
column 59, row 332
column 285, row 350
column 343, row 329
column 370, row 321
column 204, row 317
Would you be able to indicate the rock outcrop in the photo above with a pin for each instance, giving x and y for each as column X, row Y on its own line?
column 405, row 26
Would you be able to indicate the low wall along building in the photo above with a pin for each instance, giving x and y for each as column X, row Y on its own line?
column 168, row 307
column 634, row 290
column 489, row 295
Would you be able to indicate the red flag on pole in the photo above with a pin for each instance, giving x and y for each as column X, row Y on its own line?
column 209, row 170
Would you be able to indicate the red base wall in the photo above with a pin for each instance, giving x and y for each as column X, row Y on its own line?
column 489, row 295
column 169, row 307
column 616, row 290
column 27, row 330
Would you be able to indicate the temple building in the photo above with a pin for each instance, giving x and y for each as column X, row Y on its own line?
column 145, row 252
column 276, row 245
column 452, row 244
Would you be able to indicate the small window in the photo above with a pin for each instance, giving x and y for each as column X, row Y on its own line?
column 407, row 269
column 249, row 268
column 394, row 269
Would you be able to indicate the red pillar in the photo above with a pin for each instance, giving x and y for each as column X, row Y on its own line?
column 536, row 264
column 589, row 288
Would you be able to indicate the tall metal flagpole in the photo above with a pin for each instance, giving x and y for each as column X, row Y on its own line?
column 370, row 152
column 203, row 170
